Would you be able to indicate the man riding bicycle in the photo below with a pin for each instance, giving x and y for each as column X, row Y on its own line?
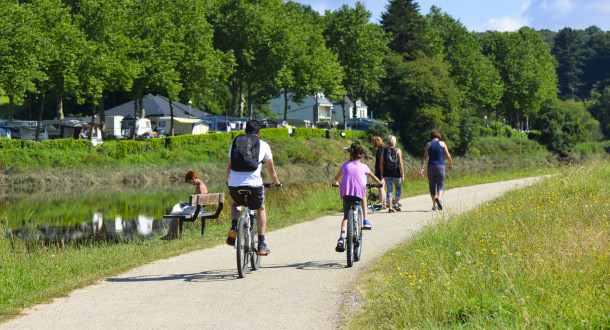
column 246, row 155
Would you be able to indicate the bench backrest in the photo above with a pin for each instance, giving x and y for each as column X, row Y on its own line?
column 207, row 199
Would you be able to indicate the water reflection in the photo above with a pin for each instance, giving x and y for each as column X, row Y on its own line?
column 111, row 228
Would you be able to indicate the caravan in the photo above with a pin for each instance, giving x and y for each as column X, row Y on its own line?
column 142, row 127
column 25, row 130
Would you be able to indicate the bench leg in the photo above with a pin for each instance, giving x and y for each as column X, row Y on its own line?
column 202, row 227
column 180, row 228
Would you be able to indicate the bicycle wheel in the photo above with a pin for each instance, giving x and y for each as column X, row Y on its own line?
column 349, row 239
column 242, row 244
column 358, row 235
column 255, row 259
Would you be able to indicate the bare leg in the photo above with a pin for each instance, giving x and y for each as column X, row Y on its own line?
column 235, row 211
column 262, row 220
column 433, row 199
column 382, row 197
column 364, row 208
column 343, row 228
column 440, row 194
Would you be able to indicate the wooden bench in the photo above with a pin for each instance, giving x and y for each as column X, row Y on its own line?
column 200, row 201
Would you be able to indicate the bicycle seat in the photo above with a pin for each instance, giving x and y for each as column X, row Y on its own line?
column 244, row 192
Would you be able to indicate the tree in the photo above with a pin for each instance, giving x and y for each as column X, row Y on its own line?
column 20, row 65
column 568, row 51
column 360, row 47
column 426, row 98
column 474, row 74
column 63, row 44
column 527, row 70
column 600, row 110
column 406, row 28
column 252, row 32
column 597, row 63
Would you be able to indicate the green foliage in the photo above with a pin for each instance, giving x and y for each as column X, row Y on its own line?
column 559, row 128
column 406, row 28
column 600, row 110
column 502, row 145
column 527, row 70
column 383, row 131
column 586, row 148
column 349, row 34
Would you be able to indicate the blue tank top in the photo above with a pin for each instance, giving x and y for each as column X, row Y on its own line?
column 435, row 153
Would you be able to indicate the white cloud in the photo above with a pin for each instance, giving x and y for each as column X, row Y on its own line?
column 553, row 15
column 501, row 24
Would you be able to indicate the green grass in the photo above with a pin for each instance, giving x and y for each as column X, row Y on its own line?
column 33, row 273
column 537, row 258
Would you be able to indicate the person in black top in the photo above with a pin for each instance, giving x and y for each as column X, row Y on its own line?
column 378, row 144
column 392, row 171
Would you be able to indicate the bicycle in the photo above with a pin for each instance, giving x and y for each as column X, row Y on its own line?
column 372, row 198
column 353, row 235
column 246, row 242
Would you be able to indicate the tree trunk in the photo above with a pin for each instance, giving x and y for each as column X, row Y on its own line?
column 135, row 117
column 234, row 91
column 344, row 114
column 102, row 114
column 42, row 98
column 11, row 103
column 285, row 103
column 30, row 106
column 92, row 123
column 60, row 106
column 171, row 114
column 250, row 101
column 241, row 100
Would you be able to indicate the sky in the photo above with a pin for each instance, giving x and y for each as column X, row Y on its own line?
column 499, row 15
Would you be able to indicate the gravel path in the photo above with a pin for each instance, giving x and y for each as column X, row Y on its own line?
column 302, row 284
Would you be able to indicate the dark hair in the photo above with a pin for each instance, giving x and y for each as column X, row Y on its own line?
column 253, row 127
column 356, row 150
column 190, row 175
column 435, row 134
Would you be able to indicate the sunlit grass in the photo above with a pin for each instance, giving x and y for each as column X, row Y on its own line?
column 32, row 273
column 537, row 257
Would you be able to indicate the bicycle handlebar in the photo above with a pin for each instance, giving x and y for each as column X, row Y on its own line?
column 268, row 185
column 374, row 185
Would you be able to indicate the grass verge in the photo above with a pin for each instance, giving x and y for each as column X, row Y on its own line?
column 36, row 273
column 537, row 257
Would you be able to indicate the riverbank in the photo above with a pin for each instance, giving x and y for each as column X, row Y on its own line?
column 36, row 273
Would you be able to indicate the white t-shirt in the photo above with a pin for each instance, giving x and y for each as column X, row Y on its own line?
column 251, row 179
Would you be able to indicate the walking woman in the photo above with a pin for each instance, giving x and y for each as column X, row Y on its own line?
column 434, row 151
column 378, row 144
column 392, row 171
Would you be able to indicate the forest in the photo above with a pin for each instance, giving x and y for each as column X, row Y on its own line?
column 418, row 70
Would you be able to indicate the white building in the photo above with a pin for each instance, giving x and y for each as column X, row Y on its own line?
column 327, row 111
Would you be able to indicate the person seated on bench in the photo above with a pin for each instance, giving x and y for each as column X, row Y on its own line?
column 184, row 208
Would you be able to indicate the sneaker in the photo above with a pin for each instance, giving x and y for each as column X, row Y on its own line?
column 440, row 205
column 391, row 210
column 340, row 245
column 231, row 237
column 367, row 225
column 434, row 208
column 396, row 208
column 263, row 250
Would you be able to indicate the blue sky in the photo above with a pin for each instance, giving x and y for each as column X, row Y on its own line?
column 500, row 15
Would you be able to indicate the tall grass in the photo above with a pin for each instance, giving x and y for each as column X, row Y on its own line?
column 537, row 257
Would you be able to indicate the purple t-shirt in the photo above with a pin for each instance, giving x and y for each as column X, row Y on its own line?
column 353, row 182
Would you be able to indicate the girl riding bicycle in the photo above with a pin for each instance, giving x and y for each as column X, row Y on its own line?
column 353, row 188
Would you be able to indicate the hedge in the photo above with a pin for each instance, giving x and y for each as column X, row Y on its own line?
column 122, row 148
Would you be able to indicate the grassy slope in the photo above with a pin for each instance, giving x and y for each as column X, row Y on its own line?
column 31, row 273
column 536, row 257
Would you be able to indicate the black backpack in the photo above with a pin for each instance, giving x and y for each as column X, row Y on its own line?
column 245, row 151
column 390, row 161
